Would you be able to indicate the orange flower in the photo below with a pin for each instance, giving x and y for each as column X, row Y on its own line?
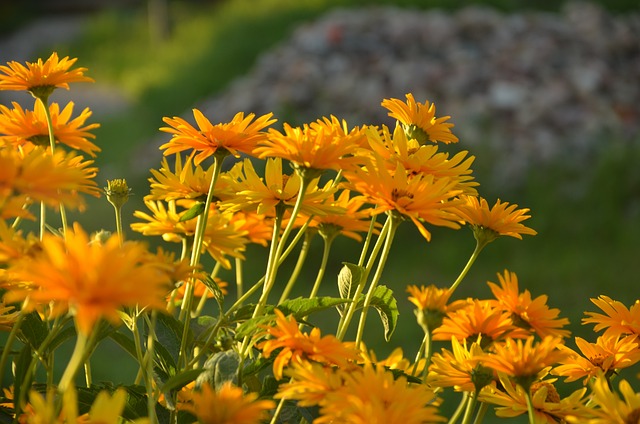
column 92, row 280
column 478, row 321
column 432, row 304
column 490, row 223
column 351, row 220
column 454, row 369
column 42, row 177
column 21, row 126
column 607, row 355
column 421, row 159
column 240, row 135
column 310, row 383
column 324, row 144
column 527, row 313
column 612, row 407
column 39, row 76
column 421, row 198
column 372, row 394
column 523, row 361
column 419, row 120
column 548, row 406
column 617, row 318
column 228, row 405
column 297, row 346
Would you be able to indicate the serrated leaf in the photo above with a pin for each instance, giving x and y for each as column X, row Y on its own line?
column 193, row 212
column 181, row 379
column 301, row 307
column 220, row 368
column 387, row 307
column 33, row 330
column 168, row 332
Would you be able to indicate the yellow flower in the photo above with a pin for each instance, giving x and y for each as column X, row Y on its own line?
column 277, row 189
column 614, row 409
column 240, row 135
column 107, row 409
column 41, row 77
column 607, row 355
column 523, row 361
column 222, row 237
column 419, row 121
column 421, row 159
column 8, row 316
column 490, row 223
column 351, row 220
column 324, row 144
column 19, row 126
column 91, row 280
column 310, row 382
column 617, row 318
column 372, row 395
column 117, row 192
column 527, row 313
column 478, row 321
column 228, row 405
column 432, row 304
column 548, row 406
column 421, row 198
column 454, row 368
column 41, row 177
column 297, row 346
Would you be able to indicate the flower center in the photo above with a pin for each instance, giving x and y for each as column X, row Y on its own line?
column 552, row 393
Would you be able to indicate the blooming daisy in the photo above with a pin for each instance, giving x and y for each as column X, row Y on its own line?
column 297, row 346
column 432, row 304
column 41, row 78
column 489, row 223
column 529, row 314
column 240, row 135
column 19, row 126
column 229, row 405
column 617, row 318
column 419, row 121
column 454, row 368
column 613, row 408
column 90, row 280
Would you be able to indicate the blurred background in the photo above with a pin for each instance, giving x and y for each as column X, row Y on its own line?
column 545, row 94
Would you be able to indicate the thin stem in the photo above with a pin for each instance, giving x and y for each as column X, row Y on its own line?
column 118, row 212
column 328, row 241
column 151, row 399
column 414, row 369
column 87, row 372
column 481, row 411
column 276, row 413
column 239, row 279
column 530, row 409
column 367, row 241
column 467, row 267
column 471, row 406
column 376, row 277
column 459, row 409
column 74, row 363
column 344, row 322
column 10, row 339
column 304, row 251
column 427, row 354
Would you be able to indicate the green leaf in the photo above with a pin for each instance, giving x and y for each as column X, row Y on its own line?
column 169, row 335
column 180, row 380
column 194, row 211
column 33, row 330
column 254, row 325
column 301, row 307
column 125, row 342
column 220, row 368
column 61, row 337
column 387, row 307
column 349, row 278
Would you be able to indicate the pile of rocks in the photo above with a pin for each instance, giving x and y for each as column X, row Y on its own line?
column 527, row 87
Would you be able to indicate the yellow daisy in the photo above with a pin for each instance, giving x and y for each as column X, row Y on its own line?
column 228, row 405
column 612, row 407
column 454, row 368
column 529, row 314
column 617, row 318
column 419, row 121
column 41, row 78
column 240, row 135
column 489, row 223
column 19, row 126
column 91, row 280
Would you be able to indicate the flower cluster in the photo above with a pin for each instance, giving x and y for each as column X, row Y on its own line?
column 253, row 359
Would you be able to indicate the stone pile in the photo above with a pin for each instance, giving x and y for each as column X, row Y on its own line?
column 528, row 87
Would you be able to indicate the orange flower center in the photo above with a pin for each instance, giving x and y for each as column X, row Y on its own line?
column 552, row 393
column 633, row 417
column 397, row 194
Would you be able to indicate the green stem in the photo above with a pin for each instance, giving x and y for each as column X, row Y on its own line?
column 276, row 413
column 328, row 241
column 481, row 411
column 376, row 277
column 196, row 252
column 10, row 339
column 151, row 398
column 304, row 250
column 471, row 406
column 344, row 322
column 239, row 279
column 74, row 363
column 530, row 409
column 414, row 369
column 367, row 241
column 427, row 355
column 459, row 409
column 467, row 267
column 118, row 212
